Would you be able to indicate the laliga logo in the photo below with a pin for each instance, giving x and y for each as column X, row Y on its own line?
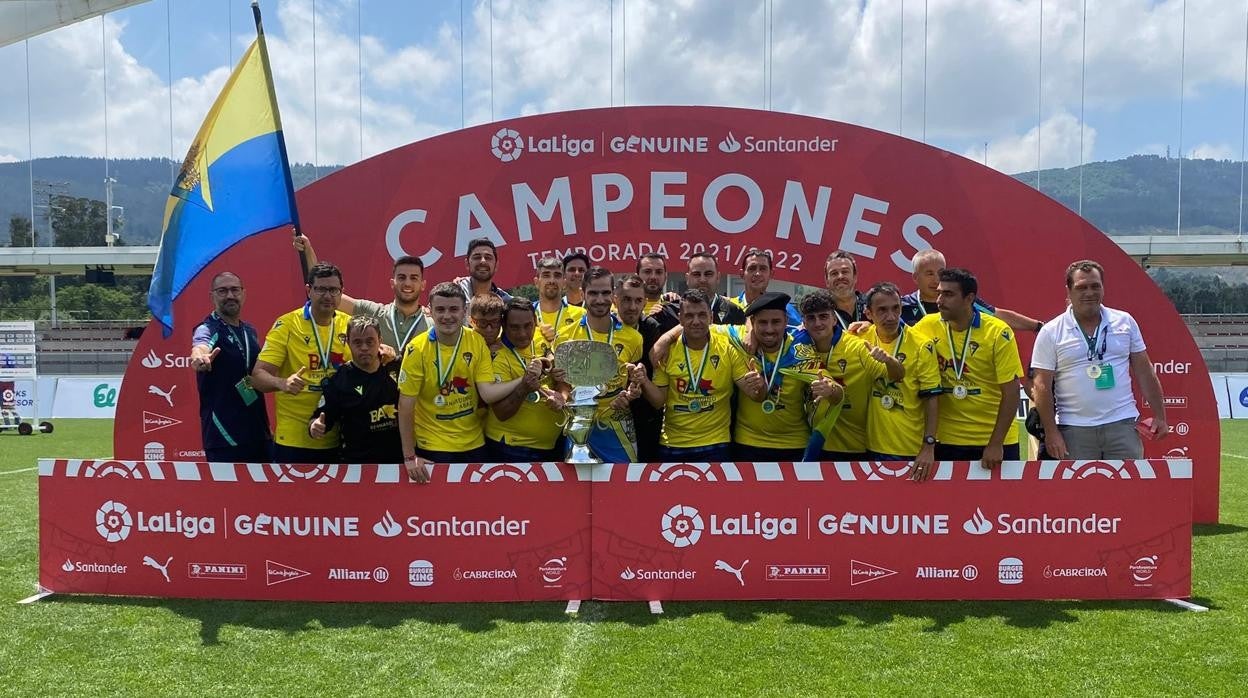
column 729, row 144
column 113, row 521
column 507, row 145
column 682, row 526
column 978, row 524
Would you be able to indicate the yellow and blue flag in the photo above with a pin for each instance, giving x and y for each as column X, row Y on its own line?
column 234, row 183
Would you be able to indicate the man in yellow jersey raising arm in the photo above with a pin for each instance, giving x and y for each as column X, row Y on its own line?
column 774, row 429
column 554, row 313
column 302, row 350
column 524, row 426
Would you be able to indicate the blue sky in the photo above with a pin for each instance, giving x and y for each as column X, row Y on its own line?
column 839, row 59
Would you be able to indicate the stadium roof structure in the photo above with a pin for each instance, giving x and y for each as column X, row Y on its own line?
column 23, row 20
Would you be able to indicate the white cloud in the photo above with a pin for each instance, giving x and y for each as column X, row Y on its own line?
column 1058, row 146
column 1213, row 151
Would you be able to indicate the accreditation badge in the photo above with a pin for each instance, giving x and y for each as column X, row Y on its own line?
column 1104, row 379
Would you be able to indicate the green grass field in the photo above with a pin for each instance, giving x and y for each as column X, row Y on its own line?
column 94, row 645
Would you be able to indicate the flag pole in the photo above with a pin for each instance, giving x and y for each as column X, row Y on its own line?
column 281, row 137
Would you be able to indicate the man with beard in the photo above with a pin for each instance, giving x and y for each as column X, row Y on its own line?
column 554, row 312
column 840, row 271
column 774, row 428
column 630, row 300
column 400, row 319
column 575, row 267
column 847, row 367
column 482, row 263
column 694, row 387
column 652, row 268
column 927, row 265
column 979, row 371
column 303, row 349
column 232, row 419
column 613, row 437
column 756, row 269
column 524, row 426
column 902, row 415
column 362, row 397
column 444, row 373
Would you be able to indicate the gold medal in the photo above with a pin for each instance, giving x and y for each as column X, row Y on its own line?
column 440, row 401
column 769, row 406
column 887, row 402
column 695, row 406
column 532, row 397
column 960, row 392
column 1094, row 371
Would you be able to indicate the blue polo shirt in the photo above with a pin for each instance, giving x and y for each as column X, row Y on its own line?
column 225, row 420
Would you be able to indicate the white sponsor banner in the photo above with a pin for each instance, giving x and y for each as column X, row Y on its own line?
column 17, row 349
column 1237, row 395
column 85, row 397
column 26, row 397
column 1221, row 393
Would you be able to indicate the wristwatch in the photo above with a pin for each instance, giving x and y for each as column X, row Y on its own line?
column 929, row 440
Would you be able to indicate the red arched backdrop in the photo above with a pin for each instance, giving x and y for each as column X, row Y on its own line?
column 620, row 182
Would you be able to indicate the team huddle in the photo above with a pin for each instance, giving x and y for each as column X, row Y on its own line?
column 840, row 375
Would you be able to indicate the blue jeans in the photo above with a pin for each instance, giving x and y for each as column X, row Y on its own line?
column 506, row 453
column 716, row 453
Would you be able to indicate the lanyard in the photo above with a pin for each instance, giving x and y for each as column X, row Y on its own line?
column 589, row 334
column 323, row 350
column 520, row 359
column 234, row 338
column 901, row 335
column 443, row 377
column 394, row 328
column 775, row 368
column 959, row 363
column 695, row 381
column 1102, row 331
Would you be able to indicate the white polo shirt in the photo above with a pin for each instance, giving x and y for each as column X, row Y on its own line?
column 1062, row 347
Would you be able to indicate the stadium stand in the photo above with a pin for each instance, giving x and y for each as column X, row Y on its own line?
column 1223, row 340
column 87, row 347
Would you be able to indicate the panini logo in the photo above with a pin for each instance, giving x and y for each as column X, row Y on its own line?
column 798, row 573
column 216, row 570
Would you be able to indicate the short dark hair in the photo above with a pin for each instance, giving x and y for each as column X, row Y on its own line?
column 548, row 263
column 695, row 295
column 1085, row 266
column 485, row 304
column 573, row 257
column 361, row 323
column 631, row 281
column 704, row 255
column 409, row 259
column 324, row 270
column 841, row 254
column 518, row 305
column 651, row 255
column 596, row 273
column 448, row 289
column 756, row 252
column 886, row 288
column 817, row 302
column 962, row 277
column 481, row 242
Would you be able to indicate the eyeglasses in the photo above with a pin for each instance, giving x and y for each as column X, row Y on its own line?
column 226, row 291
column 326, row 290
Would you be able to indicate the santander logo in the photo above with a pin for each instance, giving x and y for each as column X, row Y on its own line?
column 978, row 524
column 729, row 144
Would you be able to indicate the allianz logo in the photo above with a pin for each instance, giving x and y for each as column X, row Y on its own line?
column 1006, row 524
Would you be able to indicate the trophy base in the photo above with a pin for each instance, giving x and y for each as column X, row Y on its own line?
column 580, row 454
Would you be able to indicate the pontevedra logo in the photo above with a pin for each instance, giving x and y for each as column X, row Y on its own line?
column 277, row 573
column 863, row 572
column 682, row 526
column 506, row 145
column 113, row 521
column 387, row 527
column 978, row 524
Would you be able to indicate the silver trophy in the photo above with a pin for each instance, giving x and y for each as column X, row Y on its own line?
column 589, row 367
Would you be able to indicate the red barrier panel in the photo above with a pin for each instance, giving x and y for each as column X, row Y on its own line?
column 503, row 532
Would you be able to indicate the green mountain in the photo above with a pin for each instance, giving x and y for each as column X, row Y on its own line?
column 1137, row 195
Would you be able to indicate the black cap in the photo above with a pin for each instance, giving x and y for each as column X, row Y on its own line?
column 771, row 300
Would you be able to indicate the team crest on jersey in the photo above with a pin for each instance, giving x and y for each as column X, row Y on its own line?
column 901, row 358
column 715, row 360
column 307, row 339
column 277, row 324
column 842, row 364
column 342, row 337
column 468, row 358
column 619, row 349
column 1005, row 335
column 974, row 348
column 359, row 390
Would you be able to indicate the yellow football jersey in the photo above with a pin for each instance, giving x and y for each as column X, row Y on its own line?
column 895, row 410
column 296, row 342
column 700, row 385
column 446, row 416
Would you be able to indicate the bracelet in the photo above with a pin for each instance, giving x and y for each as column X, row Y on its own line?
column 410, row 459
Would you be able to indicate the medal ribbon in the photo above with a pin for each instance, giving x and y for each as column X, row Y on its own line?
column 589, row 334
column 437, row 360
column 323, row 351
column 775, row 368
column 695, row 380
column 959, row 363
column 394, row 328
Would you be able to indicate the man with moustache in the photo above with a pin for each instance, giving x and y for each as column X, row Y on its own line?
column 774, row 428
column 575, row 266
column 756, row 269
column 1084, row 361
column 695, row 384
column 523, row 427
column 652, row 268
column 630, row 301
column 362, row 397
column 840, row 272
column 902, row 415
column 232, row 419
column 304, row 348
column 554, row 311
column 613, row 437
column 977, row 355
column 445, row 372
column 399, row 320
column 926, row 265
column 482, row 263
